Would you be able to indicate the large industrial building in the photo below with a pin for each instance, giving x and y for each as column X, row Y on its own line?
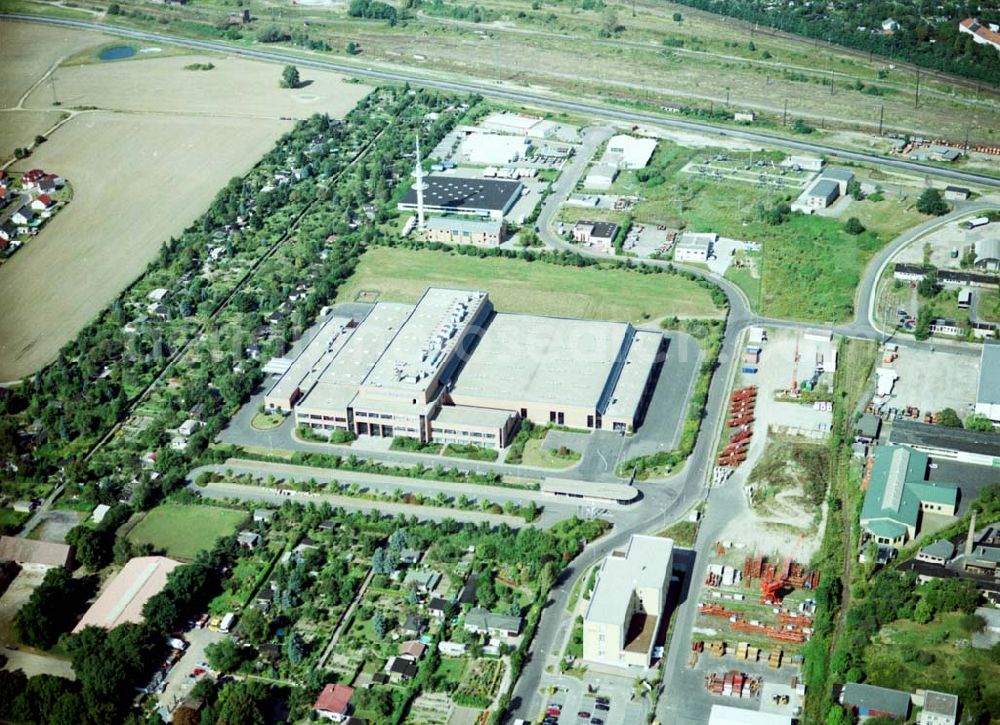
column 626, row 609
column 451, row 369
column 491, row 198
column 123, row 599
column 988, row 393
column 456, row 230
column 957, row 444
column 898, row 494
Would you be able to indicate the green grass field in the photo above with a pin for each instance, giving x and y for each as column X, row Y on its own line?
column 183, row 531
column 535, row 455
column 811, row 266
column 891, row 658
column 514, row 285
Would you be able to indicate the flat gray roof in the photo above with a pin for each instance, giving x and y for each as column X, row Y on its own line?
column 368, row 342
column 467, row 415
column 989, row 374
column 642, row 355
column 697, row 240
column 315, row 357
column 549, row 360
column 825, row 188
column 646, row 563
column 839, row 173
column 426, row 338
column 618, row 492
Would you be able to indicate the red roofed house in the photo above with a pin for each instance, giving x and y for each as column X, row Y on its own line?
column 42, row 202
column 333, row 702
column 988, row 34
column 31, row 177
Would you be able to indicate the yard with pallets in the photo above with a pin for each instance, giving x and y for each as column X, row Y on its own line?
column 184, row 530
column 733, row 608
column 516, row 285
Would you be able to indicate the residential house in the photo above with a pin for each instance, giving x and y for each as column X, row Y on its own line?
column 410, row 556
column 31, row 177
column 483, row 621
column 982, row 33
column 437, row 607
column 401, row 669
column 413, row 648
column 424, row 579
column 8, row 232
column 248, row 539
column 23, row 216
column 43, row 202
column 333, row 702
column 188, row 427
column 413, row 626
column 263, row 516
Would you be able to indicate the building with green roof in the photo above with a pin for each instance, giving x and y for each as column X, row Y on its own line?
column 898, row 493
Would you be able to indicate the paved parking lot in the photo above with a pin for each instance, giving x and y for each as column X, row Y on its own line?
column 932, row 381
column 574, row 696
column 180, row 681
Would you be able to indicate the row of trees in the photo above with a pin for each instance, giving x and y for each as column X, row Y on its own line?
column 927, row 35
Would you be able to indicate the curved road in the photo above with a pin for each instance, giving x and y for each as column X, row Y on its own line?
column 519, row 96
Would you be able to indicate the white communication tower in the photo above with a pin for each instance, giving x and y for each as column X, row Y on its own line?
column 419, row 186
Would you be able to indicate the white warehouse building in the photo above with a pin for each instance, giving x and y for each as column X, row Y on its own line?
column 988, row 392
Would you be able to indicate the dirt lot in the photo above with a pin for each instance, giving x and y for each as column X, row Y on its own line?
column 132, row 173
column 235, row 87
column 28, row 51
column 787, row 522
column 21, row 127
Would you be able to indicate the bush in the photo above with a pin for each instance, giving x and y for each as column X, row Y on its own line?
column 931, row 202
column 949, row 418
column 979, row 422
column 854, row 226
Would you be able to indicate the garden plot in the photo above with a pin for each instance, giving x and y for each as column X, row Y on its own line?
column 432, row 708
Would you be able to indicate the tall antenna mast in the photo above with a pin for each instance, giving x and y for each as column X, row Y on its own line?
column 419, row 186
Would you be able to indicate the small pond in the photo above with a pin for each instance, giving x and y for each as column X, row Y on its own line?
column 117, row 52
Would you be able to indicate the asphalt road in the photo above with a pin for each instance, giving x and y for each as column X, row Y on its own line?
column 275, row 497
column 494, row 90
